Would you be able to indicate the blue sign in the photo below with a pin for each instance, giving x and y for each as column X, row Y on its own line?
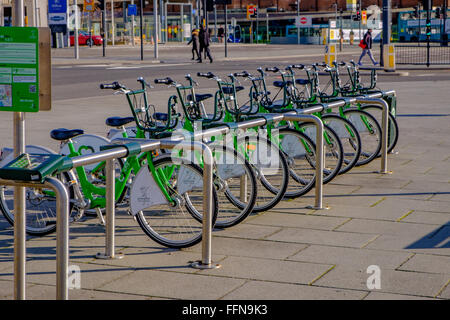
column 57, row 6
column 132, row 10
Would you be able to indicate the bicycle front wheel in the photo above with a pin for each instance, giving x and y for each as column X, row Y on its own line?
column 40, row 207
column 176, row 224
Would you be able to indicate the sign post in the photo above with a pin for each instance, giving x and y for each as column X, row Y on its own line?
column 24, row 56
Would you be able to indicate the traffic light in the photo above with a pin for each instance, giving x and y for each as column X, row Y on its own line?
column 438, row 13
column 358, row 16
column 426, row 3
column 255, row 12
column 101, row 4
column 428, row 25
column 417, row 11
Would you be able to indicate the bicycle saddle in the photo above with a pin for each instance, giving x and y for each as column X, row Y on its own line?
column 160, row 116
column 65, row 134
column 301, row 81
column 118, row 121
column 229, row 90
column 281, row 84
column 199, row 97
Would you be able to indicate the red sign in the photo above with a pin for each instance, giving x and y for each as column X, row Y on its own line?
column 303, row 20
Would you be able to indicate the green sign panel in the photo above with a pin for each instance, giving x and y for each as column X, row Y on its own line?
column 19, row 69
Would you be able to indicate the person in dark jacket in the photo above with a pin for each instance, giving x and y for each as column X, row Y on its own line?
column 195, row 44
column 204, row 44
column 367, row 40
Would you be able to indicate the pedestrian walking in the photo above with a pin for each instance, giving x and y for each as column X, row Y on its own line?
column 221, row 34
column 366, row 45
column 204, row 44
column 195, row 44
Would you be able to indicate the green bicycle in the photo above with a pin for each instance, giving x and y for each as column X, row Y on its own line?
column 166, row 194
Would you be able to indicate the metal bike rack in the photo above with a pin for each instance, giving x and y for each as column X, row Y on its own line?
column 295, row 115
column 148, row 145
column 376, row 98
column 62, row 236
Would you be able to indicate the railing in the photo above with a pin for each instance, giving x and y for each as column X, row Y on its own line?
column 422, row 54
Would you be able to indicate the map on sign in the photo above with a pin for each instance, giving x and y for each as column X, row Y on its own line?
column 19, row 69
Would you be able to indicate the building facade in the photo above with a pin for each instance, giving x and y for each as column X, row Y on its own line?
column 35, row 13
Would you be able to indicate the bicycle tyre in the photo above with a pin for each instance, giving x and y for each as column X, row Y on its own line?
column 228, row 217
column 191, row 228
column 393, row 130
column 369, row 133
column 350, row 139
column 40, row 219
column 333, row 150
column 272, row 183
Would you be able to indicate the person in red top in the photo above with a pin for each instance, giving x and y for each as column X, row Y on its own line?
column 367, row 41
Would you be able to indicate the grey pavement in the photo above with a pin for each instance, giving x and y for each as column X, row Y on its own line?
column 399, row 222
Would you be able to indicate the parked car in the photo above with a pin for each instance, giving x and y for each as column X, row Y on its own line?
column 84, row 39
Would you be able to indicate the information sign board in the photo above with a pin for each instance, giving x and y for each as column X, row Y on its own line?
column 20, row 69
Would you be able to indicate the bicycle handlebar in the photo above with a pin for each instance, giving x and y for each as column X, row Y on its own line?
column 164, row 81
column 272, row 69
column 298, row 66
column 244, row 74
column 208, row 75
column 114, row 86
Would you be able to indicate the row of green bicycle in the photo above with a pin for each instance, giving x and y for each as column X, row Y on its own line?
column 254, row 169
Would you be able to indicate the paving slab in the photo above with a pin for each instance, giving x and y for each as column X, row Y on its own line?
column 412, row 243
column 392, row 281
column 386, row 227
column 427, row 263
column 259, row 290
column 391, row 296
column 174, row 285
column 251, row 248
column 427, row 217
column 359, row 258
column 294, row 220
column 269, row 270
column 334, row 238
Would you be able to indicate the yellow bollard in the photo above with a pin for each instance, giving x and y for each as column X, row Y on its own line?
column 330, row 53
column 389, row 57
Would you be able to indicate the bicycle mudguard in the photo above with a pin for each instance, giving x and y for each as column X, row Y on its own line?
column 392, row 102
column 145, row 192
column 80, row 142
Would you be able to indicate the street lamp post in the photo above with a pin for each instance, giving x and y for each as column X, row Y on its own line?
column 141, row 13
column 155, row 28
column 298, row 17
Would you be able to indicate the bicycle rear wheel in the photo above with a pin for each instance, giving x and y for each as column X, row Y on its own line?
column 236, row 185
column 300, row 153
column 370, row 132
column 333, row 150
column 349, row 137
column 270, row 168
column 177, row 224
column 393, row 131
